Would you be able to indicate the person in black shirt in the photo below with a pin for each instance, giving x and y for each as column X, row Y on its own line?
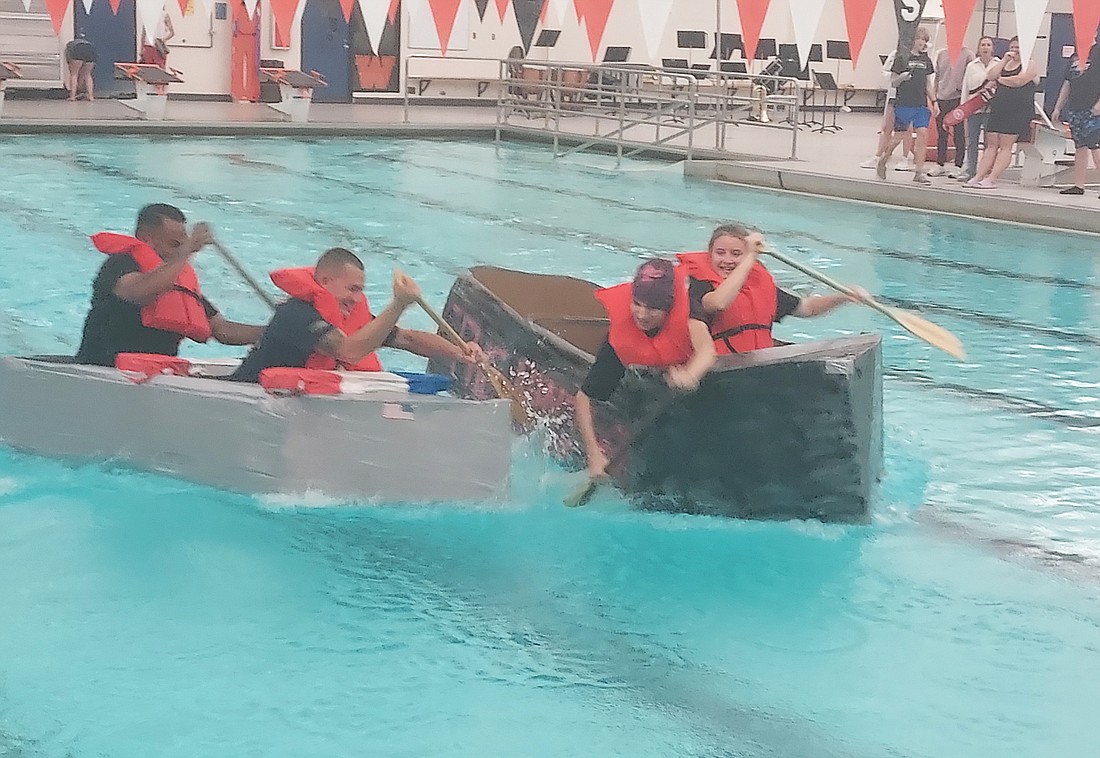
column 121, row 289
column 914, row 105
column 298, row 330
column 654, row 297
column 1079, row 100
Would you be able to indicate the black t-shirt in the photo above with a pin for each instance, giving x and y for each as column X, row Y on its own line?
column 786, row 303
column 1084, row 89
column 114, row 325
column 289, row 340
column 914, row 92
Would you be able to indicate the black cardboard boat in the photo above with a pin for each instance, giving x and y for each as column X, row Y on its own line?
column 788, row 432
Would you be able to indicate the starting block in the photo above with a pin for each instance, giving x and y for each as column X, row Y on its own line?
column 7, row 71
column 296, row 89
column 151, row 84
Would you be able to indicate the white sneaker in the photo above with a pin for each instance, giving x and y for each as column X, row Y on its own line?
column 870, row 163
column 906, row 164
column 965, row 176
column 954, row 173
column 936, row 171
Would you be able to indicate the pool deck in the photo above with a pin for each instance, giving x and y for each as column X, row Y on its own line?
column 828, row 163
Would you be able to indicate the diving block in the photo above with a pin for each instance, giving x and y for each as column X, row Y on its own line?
column 7, row 71
column 296, row 89
column 1045, row 154
column 151, row 84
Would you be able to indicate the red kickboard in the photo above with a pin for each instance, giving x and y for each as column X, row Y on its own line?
column 967, row 109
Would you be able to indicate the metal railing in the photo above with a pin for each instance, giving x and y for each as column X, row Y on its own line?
column 638, row 108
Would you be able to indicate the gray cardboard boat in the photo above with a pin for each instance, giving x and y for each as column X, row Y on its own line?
column 788, row 432
column 388, row 445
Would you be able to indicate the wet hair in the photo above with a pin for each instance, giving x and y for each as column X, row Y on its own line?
column 729, row 230
column 153, row 215
column 335, row 258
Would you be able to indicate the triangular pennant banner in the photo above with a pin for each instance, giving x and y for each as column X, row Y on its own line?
column 346, row 7
column 596, row 13
column 115, row 5
column 1086, row 19
column 527, row 19
column 444, row 13
column 1029, row 17
column 283, row 12
column 956, row 18
column 752, row 13
column 183, row 5
column 375, row 15
column 806, row 16
column 87, row 6
column 481, row 7
column 502, row 9
column 654, row 15
column 57, row 9
column 27, row 5
column 580, row 7
column 395, row 8
column 857, row 18
column 149, row 13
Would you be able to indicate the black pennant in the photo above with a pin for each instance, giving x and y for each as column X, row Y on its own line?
column 908, row 14
column 527, row 16
column 481, row 6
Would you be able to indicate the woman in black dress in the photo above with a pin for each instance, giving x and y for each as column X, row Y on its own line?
column 1010, row 114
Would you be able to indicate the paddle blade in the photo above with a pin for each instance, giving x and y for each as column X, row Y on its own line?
column 933, row 334
column 521, row 417
column 582, row 494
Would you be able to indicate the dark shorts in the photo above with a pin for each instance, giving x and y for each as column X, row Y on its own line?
column 906, row 117
column 80, row 51
column 1085, row 128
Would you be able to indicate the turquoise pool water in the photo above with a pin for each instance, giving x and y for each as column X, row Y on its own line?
column 144, row 616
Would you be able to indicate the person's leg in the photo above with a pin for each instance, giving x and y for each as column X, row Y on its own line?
column 1004, row 157
column 941, row 133
column 73, row 78
column 895, row 140
column 920, row 149
column 960, row 144
column 989, row 156
column 886, row 133
column 89, row 83
column 1080, row 168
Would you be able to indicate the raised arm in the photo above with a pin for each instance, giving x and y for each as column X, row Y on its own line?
column 143, row 287
column 354, row 347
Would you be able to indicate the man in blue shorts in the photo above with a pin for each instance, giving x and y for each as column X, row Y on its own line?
column 914, row 104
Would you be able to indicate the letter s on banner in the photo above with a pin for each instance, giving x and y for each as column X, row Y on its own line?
column 910, row 10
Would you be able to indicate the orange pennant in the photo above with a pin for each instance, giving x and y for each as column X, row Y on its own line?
column 347, row 6
column 752, row 13
column 57, row 10
column 596, row 13
column 502, row 8
column 444, row 13
column 115, row 6
column 857, row 17
column 579, row 7
column 395, row 6
column 1086, row 18
column 283, row 11
column 956, row 17
column 542, row 13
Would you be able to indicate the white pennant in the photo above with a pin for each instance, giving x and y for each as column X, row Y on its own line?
column 87, row 6
column 559, row 10
column 375, row 16
column 27, row 5
column 250, row 6
column 1029, row 16
column 806, row 16
column 150, row 12
column 655, row 14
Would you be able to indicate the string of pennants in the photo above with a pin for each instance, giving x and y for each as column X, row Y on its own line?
column 655, row 15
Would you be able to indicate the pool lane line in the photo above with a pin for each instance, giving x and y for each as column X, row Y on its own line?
column 1022, row 406
column 533, row 228
column 930, row 260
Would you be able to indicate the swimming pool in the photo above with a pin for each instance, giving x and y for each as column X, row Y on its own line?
column 145, row 616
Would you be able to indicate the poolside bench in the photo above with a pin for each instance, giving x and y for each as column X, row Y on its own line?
column 428, row 77
column 7, row 71
column 296, row 88
column 151, row 84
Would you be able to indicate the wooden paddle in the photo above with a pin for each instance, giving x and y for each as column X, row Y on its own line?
column 503, row 388
column 584, row 493
column 933, row 334
column 240, row 269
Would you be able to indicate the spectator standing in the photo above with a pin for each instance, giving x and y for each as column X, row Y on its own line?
column 1079, row 101
column 949, row 85
column 976, row 79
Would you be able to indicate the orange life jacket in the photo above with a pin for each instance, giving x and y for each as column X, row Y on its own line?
column 178, row 310
column 300, row 284
column 747, row 323
column 670, row 347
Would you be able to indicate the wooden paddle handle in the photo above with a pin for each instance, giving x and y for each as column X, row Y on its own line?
column 240, row 269
column 829, row 282
column 452, row 335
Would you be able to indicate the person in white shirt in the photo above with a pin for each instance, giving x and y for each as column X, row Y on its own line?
column 886, row 130
column 974, row 79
